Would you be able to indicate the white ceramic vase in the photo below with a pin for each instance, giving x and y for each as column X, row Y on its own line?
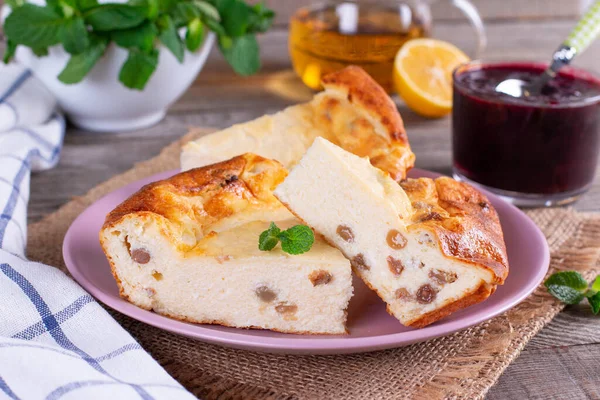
column 101, row 103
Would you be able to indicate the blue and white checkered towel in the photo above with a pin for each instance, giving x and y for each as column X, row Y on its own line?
column 55, row 340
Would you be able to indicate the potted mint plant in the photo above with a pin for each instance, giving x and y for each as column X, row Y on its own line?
column 115, row 66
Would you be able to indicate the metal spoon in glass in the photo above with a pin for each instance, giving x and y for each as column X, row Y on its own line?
column 584, row 33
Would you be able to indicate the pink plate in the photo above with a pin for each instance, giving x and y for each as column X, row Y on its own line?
column 371, row 327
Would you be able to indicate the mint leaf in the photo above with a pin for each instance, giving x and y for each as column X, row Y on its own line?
column 84, row 5
column 15, row 3
column 166, row 5
column 269, row 238
column 183, row 13
column 261, row 18
column 41, row 52
column 153, row 7
column 56, row 6
column 223, row 5
column 214, row 26
column 81, row 64
column 566, row 294
column 74, row 35
column 568, row 286
column 67, row 10
column 297, row 239
column 225, row 42
column 138, row 68
column 235, row 18
column 207, row 10
column 194, row 35
column 9, row 52
column 568, row 278
column 242, row 55
column 596, row 284
column 170, row 38
column 108, row 17
column 595, row 303
column 141, row 37
column 34, row 26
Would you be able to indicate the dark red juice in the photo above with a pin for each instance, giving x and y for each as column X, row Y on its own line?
column 545, row 144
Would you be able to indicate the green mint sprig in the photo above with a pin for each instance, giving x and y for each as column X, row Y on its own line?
column 571, row 288
column 85, row 28
column 295, row 240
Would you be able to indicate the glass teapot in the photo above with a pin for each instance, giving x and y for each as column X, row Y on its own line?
column 327, row 36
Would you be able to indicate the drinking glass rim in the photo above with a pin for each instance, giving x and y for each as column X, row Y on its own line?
column 322, row 4
column 588, row 75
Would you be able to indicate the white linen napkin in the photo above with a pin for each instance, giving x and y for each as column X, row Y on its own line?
column 55, row 340
column 24, row 101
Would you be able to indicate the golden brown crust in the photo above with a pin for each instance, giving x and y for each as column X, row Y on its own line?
column 113, row 270
column 364, row 91
column 195, row 200
column 380, row 135
column 464, row 221
column 481, row 293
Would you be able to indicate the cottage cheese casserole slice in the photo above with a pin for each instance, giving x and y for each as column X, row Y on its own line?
column 427, row 247
column 353, row 112
column 187, row 247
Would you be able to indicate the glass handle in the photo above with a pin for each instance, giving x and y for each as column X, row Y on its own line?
column 471, row 13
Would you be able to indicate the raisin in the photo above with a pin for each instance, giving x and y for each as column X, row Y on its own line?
column 396, row 240
column 283, row 308
column 442, row 277
column 265, row 294
column 395, row 265
column 345, row 233
column 358, row 262
column 157, row 275
column 432, row 216
column 140, row 256
column 320, row 277
column 426, row 294
column 402, row 294
column 231, row 179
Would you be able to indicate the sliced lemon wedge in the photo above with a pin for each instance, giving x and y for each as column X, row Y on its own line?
column 423, row 75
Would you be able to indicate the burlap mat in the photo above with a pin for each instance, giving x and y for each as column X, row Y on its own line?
column 460, row 366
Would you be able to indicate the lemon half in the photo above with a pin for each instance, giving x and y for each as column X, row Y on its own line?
column 423, row 75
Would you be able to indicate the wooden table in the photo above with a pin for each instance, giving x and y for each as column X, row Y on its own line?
column 562, row 361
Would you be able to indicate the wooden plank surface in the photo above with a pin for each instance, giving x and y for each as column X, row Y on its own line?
column 561, row 362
